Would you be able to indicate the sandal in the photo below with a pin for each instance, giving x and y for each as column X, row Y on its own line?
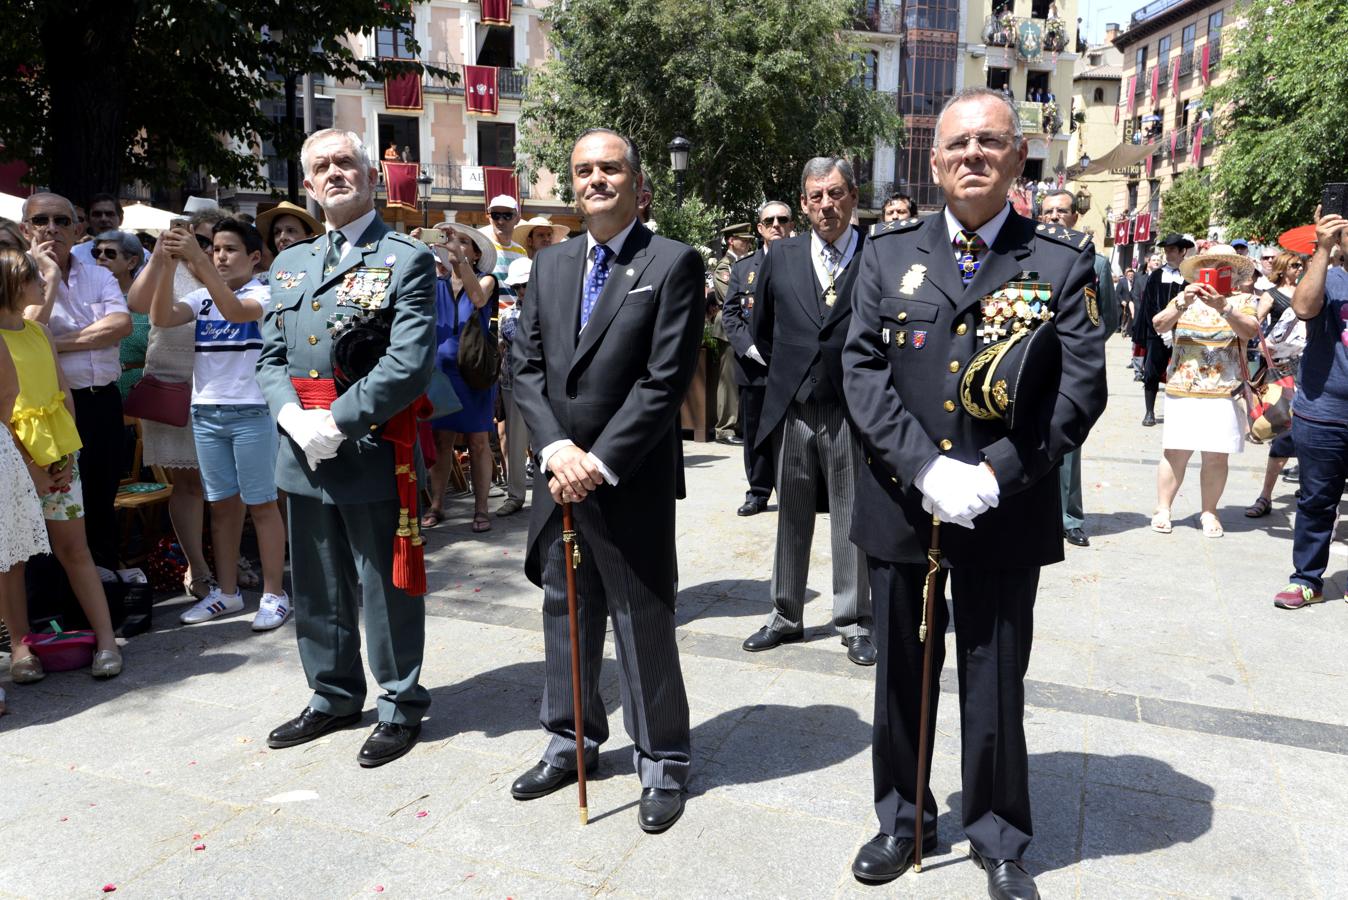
column 481, row 522
column 1212, row 526
column 1160, row 522
column 197, row 588
column 1259, row 508
column 432, row 517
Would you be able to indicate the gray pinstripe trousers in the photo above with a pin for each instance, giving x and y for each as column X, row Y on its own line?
column 655, row 706
column 816, row 438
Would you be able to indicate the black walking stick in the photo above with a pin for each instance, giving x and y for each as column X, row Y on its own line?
column 924, row 728
column 572, row 563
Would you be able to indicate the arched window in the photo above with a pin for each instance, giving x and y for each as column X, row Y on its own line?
column 1099, row 95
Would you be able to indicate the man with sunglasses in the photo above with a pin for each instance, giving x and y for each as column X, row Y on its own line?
column 105, row 214
column 88, row 318
column 504, row 212
column 751, row 372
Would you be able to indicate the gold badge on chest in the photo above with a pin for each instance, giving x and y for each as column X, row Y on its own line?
column 366, row 287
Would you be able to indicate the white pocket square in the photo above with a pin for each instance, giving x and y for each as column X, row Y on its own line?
column 646, row 287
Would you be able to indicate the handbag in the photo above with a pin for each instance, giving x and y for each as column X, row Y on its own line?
column 479, row 357
column 1268, row 404
column 168, row 402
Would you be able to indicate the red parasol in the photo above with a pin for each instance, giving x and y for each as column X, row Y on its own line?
column 1298, row 240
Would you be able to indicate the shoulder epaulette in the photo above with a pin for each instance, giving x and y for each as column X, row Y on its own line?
column 898, row 226
column 747, row 260
column 406, row 239
column 1077, row 240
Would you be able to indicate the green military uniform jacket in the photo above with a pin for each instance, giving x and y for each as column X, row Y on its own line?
column 383, row 270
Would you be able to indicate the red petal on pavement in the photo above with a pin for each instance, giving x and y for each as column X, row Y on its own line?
column 196, row 837
column 199, row 847
column 421, row 814
column 109, row 888
column 379, row 889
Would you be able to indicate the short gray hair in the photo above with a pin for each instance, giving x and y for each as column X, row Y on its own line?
column 762, row 207
column 631, row 155
column 45, row 195
column 126, row 242
column 323, row 134
column 977, row 93
column 822, row 166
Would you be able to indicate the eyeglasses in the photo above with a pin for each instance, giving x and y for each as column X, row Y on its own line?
column 104, row 253
column 1296, row 265
column 774, row 220
column 43, row 221
column 502, row 216
column 835, row 195
column 992, row 141
column 203, row 242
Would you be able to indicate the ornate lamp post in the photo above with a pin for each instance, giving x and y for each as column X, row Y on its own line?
column 424, row 182
column 678, row 161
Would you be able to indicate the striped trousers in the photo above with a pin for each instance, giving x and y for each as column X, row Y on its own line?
column 815, row 440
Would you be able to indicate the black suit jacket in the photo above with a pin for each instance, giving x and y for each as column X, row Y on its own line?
column 802, row 347
column 903, row 393
column 615, row 390
column 737, row 316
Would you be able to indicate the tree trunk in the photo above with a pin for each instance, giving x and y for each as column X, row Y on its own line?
column 85, row 48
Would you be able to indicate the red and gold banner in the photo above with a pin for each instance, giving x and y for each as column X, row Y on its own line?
column 1121, row 231
column 1207, row 62
column 403, row 91
column 1198, row 146
column 495, row 12
column 1142, row 228
column 1132, row 94
column 1155, row 83
column 497, row 180
column 400, row 184
column 479, row 90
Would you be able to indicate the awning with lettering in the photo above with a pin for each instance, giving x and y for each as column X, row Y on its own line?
column 1121, row 157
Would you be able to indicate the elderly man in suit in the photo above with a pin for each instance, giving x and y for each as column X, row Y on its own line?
column 604, row 352
column 801, row 312
column 751, row 373
column 937, row 299
column 336, row 469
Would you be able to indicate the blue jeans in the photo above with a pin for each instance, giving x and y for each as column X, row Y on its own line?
column 1322, row 451
column 236, row 448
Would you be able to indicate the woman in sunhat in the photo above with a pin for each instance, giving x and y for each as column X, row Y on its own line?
column 285, row 224
column 539, row 232
column 1209, row 332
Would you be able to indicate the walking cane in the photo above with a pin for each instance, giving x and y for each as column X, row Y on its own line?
column 923, row 728
column 572, row 563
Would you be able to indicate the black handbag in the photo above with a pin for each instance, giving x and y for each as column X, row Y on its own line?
column 479, row 357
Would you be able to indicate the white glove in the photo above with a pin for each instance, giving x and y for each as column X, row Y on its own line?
column 957, row 492
column 756, row 356
column 313, row 430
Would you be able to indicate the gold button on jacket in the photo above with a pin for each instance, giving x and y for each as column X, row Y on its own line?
column 954, row 365
column 945, row 445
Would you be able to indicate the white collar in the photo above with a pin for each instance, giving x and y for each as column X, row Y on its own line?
column 354, row 229
column 614, row 244
column 847, row 249
column 989, row 230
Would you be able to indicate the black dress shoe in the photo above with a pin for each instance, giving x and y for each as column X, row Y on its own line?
column 735, row 440
column 1077, row 537
column 387, row 742
column 885, row 857
column 1007, row 878
column 765, row 639
column 752, row 507
column 1148, row 420
column 544, row 778
column 659, row 809
column 306, row 726
column 860, row 650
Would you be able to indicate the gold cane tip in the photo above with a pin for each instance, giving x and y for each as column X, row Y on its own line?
column 585, row 815
column 917, row 867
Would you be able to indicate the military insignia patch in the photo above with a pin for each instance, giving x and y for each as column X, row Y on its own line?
column 912, row 279
column 750, row 279
column 366, row 288
column 919, row 340
column 1092, row 307
column 289, row 280
column 884, row 336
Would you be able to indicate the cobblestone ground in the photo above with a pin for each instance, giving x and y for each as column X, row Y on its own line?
column 1186, row 739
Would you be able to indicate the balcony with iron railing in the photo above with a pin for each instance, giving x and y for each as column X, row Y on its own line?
column 1006, row 30
column 877, row 17
column 447, row 179
column 510, row 82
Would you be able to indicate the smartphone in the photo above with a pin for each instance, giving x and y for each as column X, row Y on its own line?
column 1334, row 199
column 180, row 223
column 1218, row 278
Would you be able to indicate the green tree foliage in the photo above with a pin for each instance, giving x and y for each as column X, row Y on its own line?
column 1282, row 114
column 98, row 93
column 758, row 86
column 1186, row 206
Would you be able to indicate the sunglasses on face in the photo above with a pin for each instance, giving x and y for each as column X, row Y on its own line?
column 774, row 220
column 105, row 253
column 44, row 221
column 502, row 216
column 203, row 242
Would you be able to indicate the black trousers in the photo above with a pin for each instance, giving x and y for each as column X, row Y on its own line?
column 994, row 624
column 98, row 417
column 760, row 464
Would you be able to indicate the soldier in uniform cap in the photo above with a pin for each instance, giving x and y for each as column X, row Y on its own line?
column 974, row 362
column 347, row 510
column 739, row 243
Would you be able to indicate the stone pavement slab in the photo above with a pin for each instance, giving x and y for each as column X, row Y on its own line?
column 1186, row 739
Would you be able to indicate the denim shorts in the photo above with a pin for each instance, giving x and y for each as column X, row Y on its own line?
column 236, row 449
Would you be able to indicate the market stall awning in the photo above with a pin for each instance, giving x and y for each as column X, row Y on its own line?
column 1121, row 157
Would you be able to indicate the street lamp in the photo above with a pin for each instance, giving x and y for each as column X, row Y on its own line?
column 424, row 182
column 678, row 161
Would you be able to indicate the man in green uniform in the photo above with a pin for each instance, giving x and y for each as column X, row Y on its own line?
column 335, row 467
column 739, row 243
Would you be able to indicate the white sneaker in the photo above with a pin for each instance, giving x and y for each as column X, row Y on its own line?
column 212, row 606
column 272, row 612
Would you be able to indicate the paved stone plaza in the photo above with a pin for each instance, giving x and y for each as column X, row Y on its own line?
column 1186, row 738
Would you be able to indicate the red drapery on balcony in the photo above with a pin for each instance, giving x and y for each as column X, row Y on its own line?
column 1174, row 77
column 495, row 12
column 1155, row 83
column 1142, row 228
column 497, row 180
column 479, row 90
column 1173, row 136
column 1121, row 230
column 1207, row 62
column 1198, row 146
column 403, row 91
column 400, row 184
column 1132, row 94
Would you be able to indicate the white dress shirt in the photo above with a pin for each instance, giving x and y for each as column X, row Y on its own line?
column 615, row 245
column 1171, row 275
column 988, row 232
column 817, row 255
column 87, row 294
column 352, row 231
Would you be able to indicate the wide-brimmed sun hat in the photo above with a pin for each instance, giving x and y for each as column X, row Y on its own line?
column 286, row 208
column 1214, row 257
column 522, row 230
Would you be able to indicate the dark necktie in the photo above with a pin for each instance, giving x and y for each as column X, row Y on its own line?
column 968, row 248
column 594, row 282
column 336, row 241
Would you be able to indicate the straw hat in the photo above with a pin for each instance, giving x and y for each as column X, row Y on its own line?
column 286, row 208
column 487, row 264
column 1217, row 256
column 521, row 232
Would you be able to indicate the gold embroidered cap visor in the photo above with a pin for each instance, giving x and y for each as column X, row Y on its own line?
column 1014, row 380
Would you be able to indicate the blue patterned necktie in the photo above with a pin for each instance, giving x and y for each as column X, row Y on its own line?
column 594, row 282
column 968, row 246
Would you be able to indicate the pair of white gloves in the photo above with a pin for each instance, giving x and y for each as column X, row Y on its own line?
column 957, row 492
column 313, row 430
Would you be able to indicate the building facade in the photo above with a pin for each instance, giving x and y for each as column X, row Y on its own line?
column 877, row 27
column 1095, row 98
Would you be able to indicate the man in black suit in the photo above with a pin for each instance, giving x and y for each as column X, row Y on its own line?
column 801, row 311
column 603, row 355
column 751, row 373
column 1127, row 290
column 930, row 296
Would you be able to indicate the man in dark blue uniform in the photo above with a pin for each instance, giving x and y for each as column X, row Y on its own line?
column 950, row 431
